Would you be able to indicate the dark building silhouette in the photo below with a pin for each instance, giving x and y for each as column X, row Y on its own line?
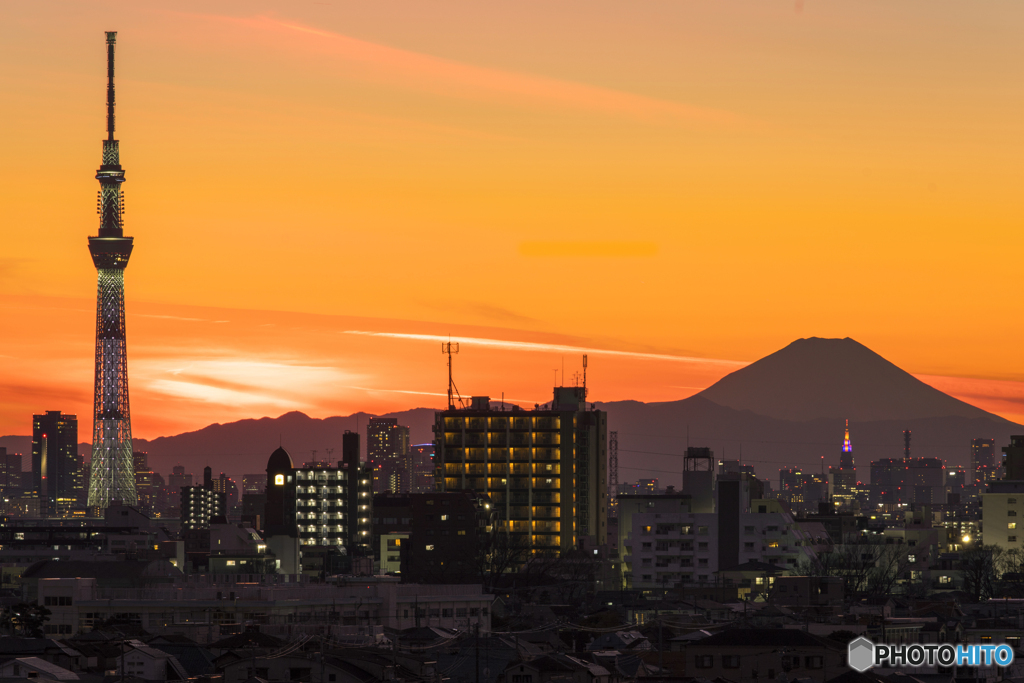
column 55, row 475
column 387, row 450
column 985, row 461
column 360, row 496
column 421, row 459
column 432, row 537
column 10, row 472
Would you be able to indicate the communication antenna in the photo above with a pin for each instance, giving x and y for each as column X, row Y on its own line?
column 584, row 377
column 329, row 452
column 906, row 444
column 449, row 348
column 314, row 454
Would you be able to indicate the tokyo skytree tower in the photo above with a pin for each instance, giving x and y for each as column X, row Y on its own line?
column 112, row 474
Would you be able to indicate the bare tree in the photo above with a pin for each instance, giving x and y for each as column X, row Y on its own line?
column 890, row 566
column 870, row 568
column 978, row 567
column 1011, row 572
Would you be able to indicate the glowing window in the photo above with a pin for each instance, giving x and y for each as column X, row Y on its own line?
column 278, row 480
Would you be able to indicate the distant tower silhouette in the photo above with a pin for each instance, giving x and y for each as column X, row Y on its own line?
column 906, row 444
column 112, row 474
column 846, row 459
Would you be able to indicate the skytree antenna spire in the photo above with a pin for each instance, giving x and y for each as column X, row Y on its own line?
column 112, row 474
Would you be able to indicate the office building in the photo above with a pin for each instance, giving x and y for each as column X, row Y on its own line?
column 146, row 487
column 545, row 471
column 55, row 462
column 843, row 479
column 984, row 460
column 10, row 472
column 387, row 450
column 421, row 458
column 112, row 476
column 176, row 480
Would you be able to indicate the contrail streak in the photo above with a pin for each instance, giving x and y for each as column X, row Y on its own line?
column 562, row 348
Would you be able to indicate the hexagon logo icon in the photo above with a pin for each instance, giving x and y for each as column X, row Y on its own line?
column 861, row 654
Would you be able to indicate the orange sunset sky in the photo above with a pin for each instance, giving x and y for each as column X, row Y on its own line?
column 320, row 192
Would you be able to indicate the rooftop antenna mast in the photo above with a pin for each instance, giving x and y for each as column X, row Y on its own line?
column 449, row 348
column 906, row 444
column 613, row 468
column 584, row 377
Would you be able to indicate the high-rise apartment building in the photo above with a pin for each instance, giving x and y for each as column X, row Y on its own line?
column 387, row 450
column 200, row 505
column 55, row 461
column 320, row 505
column 545, row 471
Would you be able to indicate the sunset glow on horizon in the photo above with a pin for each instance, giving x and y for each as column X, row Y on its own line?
column 321, row 193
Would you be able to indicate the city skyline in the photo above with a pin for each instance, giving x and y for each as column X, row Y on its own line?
column 557, row 164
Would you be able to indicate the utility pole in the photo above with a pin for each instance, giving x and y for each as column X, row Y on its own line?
column 661, row 647
column 478, row 652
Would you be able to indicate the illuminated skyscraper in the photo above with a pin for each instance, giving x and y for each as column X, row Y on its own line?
column 387, row 449
column 112, row 475
column 55, row 461
column 843, row 481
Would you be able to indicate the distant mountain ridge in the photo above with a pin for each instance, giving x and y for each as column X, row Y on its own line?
column 786, row 409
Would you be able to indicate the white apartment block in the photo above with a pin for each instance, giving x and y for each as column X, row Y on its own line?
column 662, row 543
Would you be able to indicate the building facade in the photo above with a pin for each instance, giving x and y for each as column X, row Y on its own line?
column 545, row 471
column 387, row 450
column 1002, row 521
column 421, row 459
column 200, row 505
column 317, row 503
column 55, row 475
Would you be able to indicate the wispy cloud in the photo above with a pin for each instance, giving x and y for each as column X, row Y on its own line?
column 454, row 78
column 552, row 348
column 228, row 381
